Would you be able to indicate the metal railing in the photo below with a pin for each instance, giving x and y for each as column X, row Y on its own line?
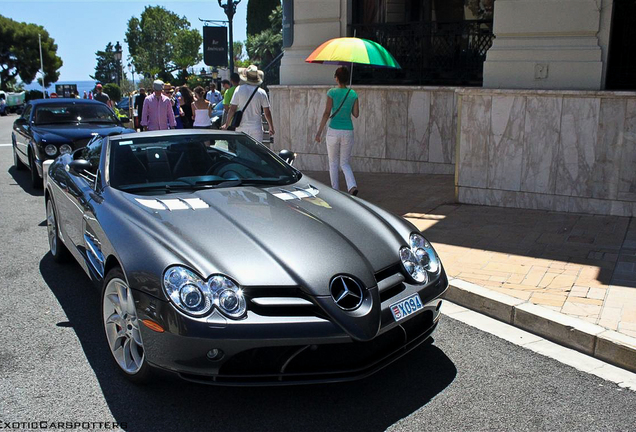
column 430, row 53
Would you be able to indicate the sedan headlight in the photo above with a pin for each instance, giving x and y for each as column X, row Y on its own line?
column 419, row 259
column 196, row 297
column 66, row 149
column 50, row 150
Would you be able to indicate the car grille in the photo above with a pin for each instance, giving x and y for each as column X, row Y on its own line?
column 277, row 302
column 315, row 360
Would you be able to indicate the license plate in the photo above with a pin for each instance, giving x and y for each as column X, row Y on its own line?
column 406, row 307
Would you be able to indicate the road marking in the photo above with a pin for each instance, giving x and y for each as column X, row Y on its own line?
column 575, row 359
column 5, row 145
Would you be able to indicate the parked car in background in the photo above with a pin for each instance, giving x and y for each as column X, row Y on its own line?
column 11, row 102
column 219, row 261
column 50, row 127
column 216, row 117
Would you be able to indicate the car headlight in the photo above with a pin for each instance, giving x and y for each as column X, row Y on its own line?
column 228, row 297
column 50, row 150
column 187, row 291
column 196, row 297
column 66, row 149
column 419, row 259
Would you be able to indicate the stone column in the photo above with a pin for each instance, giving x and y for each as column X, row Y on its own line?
column 548, row 44
column 315, row 21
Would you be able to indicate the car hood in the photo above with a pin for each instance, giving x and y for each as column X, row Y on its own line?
column 74, row 132
column 299, row 235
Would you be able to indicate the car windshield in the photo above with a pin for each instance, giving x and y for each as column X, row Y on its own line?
column 168, row 163
column 73, row 113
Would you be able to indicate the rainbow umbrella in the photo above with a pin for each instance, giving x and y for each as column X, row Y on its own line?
column 348, row 50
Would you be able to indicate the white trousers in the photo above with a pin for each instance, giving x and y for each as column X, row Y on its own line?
column 254, row 132
column 339, row 148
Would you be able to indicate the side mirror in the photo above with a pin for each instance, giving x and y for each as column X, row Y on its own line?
column 20, row 121
column 79, row 166
column 287, row 156
column 124, row 119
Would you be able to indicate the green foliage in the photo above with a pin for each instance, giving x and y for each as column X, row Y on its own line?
column 265, row 46
column 257, row 15
column 107, row 67
column 20, row 53
column 113, row 91
column 162, row 42
column 194, row 81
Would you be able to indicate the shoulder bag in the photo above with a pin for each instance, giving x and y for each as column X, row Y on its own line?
column 238, row 115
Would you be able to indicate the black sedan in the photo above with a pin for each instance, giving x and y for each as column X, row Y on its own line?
column 50, row 127
column 219, row 261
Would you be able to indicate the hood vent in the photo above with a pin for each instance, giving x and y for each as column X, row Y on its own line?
column 297, row 193
column 173, row 204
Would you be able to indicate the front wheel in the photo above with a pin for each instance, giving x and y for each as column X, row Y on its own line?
column 58, row 249
column 121, row 326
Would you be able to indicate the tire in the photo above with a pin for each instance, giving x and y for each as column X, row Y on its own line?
column 58, row 249
column 36, row 180
column 121, row 328
column 17, row 163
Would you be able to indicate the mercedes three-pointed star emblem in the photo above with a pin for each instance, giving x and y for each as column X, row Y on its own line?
column 346, row 292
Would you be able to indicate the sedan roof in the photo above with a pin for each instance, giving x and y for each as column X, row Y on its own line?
column 53, row 101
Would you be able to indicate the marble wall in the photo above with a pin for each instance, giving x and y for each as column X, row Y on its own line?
column 400, row 129
column 554, row 150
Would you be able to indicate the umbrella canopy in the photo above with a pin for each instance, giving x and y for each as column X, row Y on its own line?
column 344, row 51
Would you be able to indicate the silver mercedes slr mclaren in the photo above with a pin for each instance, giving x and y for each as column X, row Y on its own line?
column 219, row 261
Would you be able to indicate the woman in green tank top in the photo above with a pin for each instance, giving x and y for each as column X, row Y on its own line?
column 342, row 103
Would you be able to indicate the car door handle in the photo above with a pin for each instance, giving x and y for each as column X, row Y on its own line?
column 63, row 185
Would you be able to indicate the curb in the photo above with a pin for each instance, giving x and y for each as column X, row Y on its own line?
column 591, row 339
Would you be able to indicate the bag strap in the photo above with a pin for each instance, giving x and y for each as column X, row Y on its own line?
column 341, row 104
column 250, row 99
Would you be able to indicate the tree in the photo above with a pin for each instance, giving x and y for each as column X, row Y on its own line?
column 161, row 42
column 113, row 91
column 20, row 53
column 107, row 67
column 257, row 15
column 265, row 46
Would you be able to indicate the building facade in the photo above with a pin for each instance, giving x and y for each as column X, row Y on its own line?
column 482, row 85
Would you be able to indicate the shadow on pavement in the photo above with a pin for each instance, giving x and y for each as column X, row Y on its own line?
column 372, row 404
column 23, row 179
column 602, row 242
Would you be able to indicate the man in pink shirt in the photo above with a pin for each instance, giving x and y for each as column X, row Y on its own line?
column 157, row 111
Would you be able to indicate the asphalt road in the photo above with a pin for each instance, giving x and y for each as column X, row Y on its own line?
column 54, row 365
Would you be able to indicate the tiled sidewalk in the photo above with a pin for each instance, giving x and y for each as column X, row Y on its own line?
column 579, row 265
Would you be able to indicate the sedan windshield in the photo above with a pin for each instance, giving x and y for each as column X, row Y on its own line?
column 174, row 163
column 65, row 113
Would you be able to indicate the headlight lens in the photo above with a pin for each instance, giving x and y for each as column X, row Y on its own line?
column 425, row 253
column 419, row 259
column 196, row 297
column 50, row 150
column 187, row 291
column 66, row 149
column 228, row 297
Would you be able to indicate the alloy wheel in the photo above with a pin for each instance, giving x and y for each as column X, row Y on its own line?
column 51, row 227
column 122, row 326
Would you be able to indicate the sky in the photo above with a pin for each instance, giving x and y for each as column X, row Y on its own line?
column 82, row 27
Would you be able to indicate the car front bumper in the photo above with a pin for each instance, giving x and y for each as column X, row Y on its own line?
column 282, row 350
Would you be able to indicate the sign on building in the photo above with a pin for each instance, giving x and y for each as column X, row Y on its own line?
column 215, row 47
